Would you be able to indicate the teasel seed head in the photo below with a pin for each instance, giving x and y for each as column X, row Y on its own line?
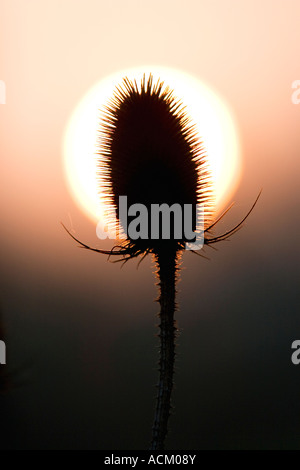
column 149, row 151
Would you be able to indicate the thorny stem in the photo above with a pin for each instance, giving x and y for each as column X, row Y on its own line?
column 167, row 267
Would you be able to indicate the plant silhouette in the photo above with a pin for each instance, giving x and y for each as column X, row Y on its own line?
column 150, row 152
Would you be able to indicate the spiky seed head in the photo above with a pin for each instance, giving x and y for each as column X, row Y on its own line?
column 149, row 151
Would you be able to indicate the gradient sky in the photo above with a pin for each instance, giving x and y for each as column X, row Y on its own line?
column 80, row 331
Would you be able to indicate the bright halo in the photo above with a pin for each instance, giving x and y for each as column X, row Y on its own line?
column 212, row 117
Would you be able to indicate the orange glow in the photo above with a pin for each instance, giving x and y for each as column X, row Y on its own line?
column 212, row 117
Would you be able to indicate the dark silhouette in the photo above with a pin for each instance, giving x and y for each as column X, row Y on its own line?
column 149, row 151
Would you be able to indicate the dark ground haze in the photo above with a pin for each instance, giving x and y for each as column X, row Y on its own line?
column 82, row 350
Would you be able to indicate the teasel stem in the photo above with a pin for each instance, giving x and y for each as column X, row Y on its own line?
column 166, row 272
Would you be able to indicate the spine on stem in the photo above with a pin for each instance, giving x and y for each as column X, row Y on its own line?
column 166, row 272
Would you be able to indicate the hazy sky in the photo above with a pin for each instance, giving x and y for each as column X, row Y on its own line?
column 80, row 331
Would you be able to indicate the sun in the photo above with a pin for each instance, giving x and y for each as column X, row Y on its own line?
column 211, row 115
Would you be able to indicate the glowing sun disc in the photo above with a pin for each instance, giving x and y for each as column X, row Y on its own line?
column 212, row 117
